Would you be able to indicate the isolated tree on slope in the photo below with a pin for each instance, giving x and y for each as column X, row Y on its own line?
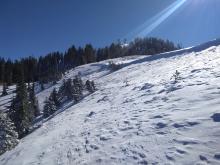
column 176, row 76
column 20, row 109
column 8, row 135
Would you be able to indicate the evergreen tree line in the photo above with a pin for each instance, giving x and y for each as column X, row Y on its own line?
column 70, row 90
column 53, row 65
column 17, row 122
column 24, row 108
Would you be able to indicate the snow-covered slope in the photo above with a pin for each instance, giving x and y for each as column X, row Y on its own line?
column 137, row 115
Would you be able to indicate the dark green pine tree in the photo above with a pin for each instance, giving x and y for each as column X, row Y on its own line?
column 76, row 93
column 49, row 108
column 77, row 88
column 20, row 109
column 89, row 54
column 90, row 86
column 42, row 85
column 54, row 97
column 4, row 90
column 2, row 69
column 8, row 72
column 69, row 90
column 8, row 135
column 34, row 102
column 93, row 86
column 61, row 92
column 78, row 83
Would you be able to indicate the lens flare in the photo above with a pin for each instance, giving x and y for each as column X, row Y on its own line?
column 154, row 22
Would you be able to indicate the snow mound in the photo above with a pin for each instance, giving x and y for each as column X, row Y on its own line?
column 138, row 115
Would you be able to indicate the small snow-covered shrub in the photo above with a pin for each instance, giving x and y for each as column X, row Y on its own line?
column 8, row 135
column 49, row 107
column 176, row 76
column 90, row 86
column 113, row 66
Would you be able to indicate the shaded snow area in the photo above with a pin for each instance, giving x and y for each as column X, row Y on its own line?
column 138, row 115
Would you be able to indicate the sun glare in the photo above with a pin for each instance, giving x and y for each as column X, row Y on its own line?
column 155, row 21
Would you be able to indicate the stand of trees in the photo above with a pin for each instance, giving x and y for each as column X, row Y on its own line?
column 52, row 66
column 24, row 107
column 8, row 135
column 70, row 90
column 17, row 122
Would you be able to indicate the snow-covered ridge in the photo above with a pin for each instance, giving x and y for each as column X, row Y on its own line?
column 197, row 48
column 137, row 116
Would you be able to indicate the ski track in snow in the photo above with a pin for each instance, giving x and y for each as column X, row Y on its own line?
column 137, row 116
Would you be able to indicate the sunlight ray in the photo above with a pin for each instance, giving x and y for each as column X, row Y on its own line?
column 154, row 22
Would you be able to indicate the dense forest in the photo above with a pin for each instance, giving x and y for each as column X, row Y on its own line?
column 51, row 66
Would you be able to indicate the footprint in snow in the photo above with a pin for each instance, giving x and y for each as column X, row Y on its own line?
column 180, row 151
column 94, row 147
column 157, row 117
column 179, row 125
column 146, row 86
column 126, row 128
column 126, row 122
column 143, row 162
column 173, row 88
column 105, row 98
column 161, row 125
column 91, row 114
column 203, row 158
column 186, row 141
column 217, row 156
column 128, row 100
column 105, row 137
column 216, row 117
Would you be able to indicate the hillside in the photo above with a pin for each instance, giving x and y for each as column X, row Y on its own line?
column 138, row 115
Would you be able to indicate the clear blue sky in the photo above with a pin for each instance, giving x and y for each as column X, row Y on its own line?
column 37, row 27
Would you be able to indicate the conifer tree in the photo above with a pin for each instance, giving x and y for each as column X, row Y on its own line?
column 93, row 86
column 4, row 90
column 20, row 109
column 42, row 86
column 49, row 108
column 90, row 86
column 69, row 90
column 33, row 101
column 78, row 83
column 77, row 95
column 54, row 97
column 61, row 91
column 2, row 69
column 89, row 54
column 8, row 135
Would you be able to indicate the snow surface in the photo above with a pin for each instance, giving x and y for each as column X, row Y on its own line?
column 138, row 115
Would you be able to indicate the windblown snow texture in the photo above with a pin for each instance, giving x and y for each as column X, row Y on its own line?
column 138, row 115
